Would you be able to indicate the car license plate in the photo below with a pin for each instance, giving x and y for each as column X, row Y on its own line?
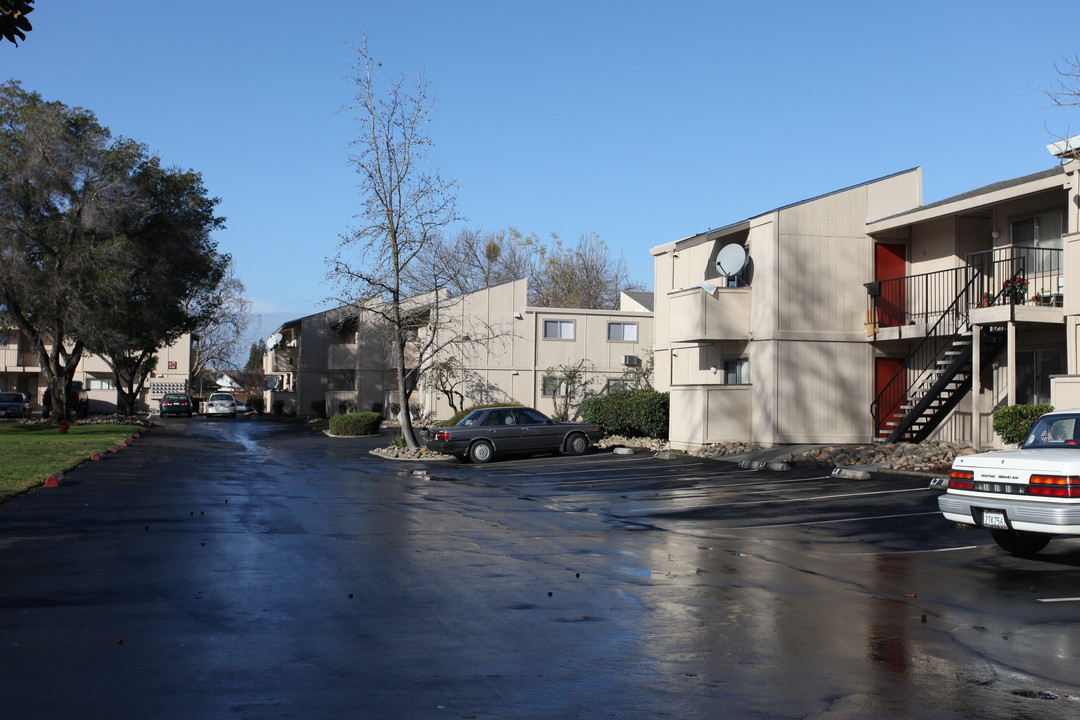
column 994, row 519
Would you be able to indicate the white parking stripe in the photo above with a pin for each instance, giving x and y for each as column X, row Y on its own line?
column 801, row 499
column 830, row 522
column 1053, row 600
column 910, row 552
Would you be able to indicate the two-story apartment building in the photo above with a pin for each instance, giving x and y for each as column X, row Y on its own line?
column 505, row 349
column 20, row 371
column 863, row 314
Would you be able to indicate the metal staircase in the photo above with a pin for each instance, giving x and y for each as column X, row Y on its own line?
column 930, row 394
column 938, row 389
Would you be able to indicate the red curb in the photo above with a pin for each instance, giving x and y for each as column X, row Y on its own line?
column 95, row 456
column 54, row 480
column 114, row 450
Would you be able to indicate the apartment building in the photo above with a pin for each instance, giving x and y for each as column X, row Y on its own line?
column 20, row 371
column 865, row 315
column 505, row 351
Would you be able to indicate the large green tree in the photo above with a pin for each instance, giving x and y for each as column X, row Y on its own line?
column 170, row 274
column 99, row 244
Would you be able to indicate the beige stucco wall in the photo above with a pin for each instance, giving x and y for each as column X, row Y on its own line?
column 811, row 367
column 20, row 371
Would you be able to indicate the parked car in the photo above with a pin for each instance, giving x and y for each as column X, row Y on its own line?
column 482, row 433
column 221, row 403
column 1023, row 497
column 176, row 404
column 77, row 400
column 14, row 404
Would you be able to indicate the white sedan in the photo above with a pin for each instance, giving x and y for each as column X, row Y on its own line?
column 1023, row 497
column 221, row 403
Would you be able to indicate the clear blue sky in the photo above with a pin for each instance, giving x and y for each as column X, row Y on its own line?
column 645, row 122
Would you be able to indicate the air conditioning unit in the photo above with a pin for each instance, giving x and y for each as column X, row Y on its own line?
column 631, row 360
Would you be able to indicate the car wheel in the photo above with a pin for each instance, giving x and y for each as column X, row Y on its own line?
column 1019, row 542
column 576, row 444
column 481, row 452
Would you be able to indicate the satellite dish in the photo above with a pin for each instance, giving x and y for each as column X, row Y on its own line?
column 730, row 260
column 272, row 341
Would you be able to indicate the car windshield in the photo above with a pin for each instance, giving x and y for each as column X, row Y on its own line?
column 1055, row 431
column 11, row 397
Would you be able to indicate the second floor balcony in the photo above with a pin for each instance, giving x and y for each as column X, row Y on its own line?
column 704, row 313
column 1013, row 280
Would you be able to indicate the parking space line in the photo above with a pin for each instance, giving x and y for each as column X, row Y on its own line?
column 1057, row 600
column 831, row 522
column 910, row 552
column 809, row 499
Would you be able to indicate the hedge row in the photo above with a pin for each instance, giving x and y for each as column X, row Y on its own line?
column 365, row 423
column 630, row 413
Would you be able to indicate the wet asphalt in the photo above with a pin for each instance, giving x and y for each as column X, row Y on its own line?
column 249, row 569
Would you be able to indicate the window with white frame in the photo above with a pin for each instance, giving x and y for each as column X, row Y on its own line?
column 558, row 329
column 553, row 387
column 736, row 371
column 100, row 384
column 615, row 385
column 621, row 332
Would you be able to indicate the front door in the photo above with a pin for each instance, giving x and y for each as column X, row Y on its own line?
column 890, row 265
column 890, row 382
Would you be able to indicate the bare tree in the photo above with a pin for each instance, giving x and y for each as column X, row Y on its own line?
column 586, row 276
column 405, row 207
column 218, row 338
column 567, row 384
column 472, row 259
column 1066, row 91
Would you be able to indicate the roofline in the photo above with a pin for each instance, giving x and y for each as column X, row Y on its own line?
column 741, row 225
column 980, row 197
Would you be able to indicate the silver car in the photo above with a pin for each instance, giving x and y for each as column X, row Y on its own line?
column 221, row 403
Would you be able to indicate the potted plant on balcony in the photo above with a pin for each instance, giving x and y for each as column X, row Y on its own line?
column 1015, row 289
column 987, row 300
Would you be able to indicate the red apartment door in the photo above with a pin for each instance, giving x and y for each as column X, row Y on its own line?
column 890, row 263
column 889, row 386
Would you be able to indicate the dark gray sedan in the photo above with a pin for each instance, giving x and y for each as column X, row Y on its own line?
column 482, row 433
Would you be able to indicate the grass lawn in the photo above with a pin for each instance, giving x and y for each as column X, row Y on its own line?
column 30, row 453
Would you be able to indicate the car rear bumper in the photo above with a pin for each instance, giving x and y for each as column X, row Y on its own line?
column 1027, row 515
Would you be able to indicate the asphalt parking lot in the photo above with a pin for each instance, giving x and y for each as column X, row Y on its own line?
column 242, row 569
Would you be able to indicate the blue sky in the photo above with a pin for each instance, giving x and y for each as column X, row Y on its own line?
column 644, row 122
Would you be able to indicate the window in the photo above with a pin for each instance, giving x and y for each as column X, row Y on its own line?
column 621, row 332
column 737, row 371
column 615, row 385
column 1042, row 232
column 553, row 387
column 100, row 384
column 558, row 329
column 1033, row 371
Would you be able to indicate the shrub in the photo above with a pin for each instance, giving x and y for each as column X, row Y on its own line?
column 456, row 417
column 1013, row 422
column 398, row 441
column 631, row 413
column 257, row 404
column 377, row 407
column 279, row 407
column 355, row 424
column 344, row 407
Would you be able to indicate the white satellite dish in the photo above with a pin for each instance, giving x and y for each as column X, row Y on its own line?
column 272, row 341
column 730, row 260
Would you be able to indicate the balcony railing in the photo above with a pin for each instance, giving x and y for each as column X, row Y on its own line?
column 987, row 278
